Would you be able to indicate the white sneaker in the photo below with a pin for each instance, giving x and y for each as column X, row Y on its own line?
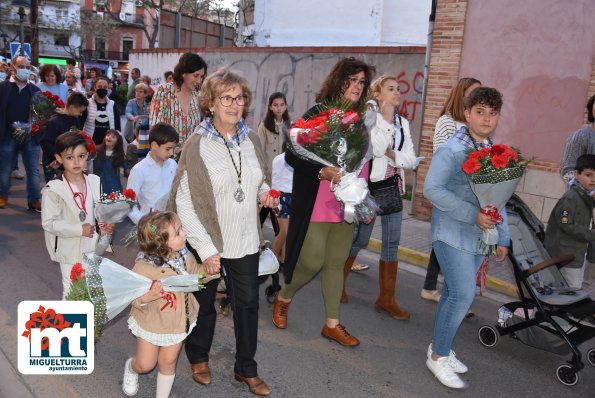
column 130, row 382
column 18, row 174
column 443, row 371
column 432, row 295
column 456, row 365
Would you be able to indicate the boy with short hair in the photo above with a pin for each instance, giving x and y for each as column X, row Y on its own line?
column 457, row 227
column 151, row 178
column 569, row 226
column 61, row 122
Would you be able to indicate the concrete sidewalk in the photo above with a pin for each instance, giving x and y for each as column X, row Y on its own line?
column 415, row 248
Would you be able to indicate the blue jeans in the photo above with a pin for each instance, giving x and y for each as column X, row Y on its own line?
column 459, row 269
column 391, row 236
column 30, row 151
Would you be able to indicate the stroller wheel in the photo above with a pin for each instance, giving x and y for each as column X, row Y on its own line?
column 566, row 375
column 488, row 336
column 591, row 356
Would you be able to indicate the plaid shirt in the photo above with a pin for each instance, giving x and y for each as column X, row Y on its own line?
column 462, row 135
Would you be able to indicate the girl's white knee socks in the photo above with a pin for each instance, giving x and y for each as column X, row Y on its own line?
column 164, row 385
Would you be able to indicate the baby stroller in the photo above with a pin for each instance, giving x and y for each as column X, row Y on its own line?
column 550, row 315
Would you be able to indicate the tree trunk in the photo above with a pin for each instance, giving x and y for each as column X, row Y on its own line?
column 33, row 15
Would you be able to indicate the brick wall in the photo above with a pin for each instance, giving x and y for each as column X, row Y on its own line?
column 447, row 45
column 541, row 186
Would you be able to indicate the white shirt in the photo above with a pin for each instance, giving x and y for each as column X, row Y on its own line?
column 152, row 184
column 282, row 174
column 237, row 220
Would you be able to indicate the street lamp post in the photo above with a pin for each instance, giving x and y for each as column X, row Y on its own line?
column 22, row 14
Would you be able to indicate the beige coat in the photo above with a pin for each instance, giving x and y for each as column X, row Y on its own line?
column 272, row 144
column 60, row 220
column 170, row 320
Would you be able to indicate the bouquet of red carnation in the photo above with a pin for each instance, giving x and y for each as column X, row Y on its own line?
column 337, row 136
column 494, row 174
column 112, row 208
column 112, row 287
column 43, row 106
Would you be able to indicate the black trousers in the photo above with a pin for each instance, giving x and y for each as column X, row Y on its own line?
column 241, row 277
column 432, row 273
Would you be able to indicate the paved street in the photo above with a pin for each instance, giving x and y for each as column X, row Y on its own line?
column 296, row 362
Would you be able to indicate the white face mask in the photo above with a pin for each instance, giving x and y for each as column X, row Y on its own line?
column 2, row 76
column 23, row 74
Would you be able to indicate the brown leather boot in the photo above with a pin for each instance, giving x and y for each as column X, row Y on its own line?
column 346, row 271
column 386, row 300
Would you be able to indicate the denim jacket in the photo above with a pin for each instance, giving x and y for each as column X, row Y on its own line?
column 455, row 205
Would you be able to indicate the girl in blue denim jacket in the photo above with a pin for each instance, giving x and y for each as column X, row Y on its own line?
column 457, row 226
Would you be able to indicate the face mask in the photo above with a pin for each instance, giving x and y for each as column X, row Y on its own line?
column 2, row 76
column 23, row 74
column 101, row 92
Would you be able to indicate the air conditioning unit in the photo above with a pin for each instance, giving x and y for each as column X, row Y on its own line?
column 138, row 3
column 113, row 64
column 122, row 16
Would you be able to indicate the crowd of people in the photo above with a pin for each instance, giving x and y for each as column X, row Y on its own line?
column 205, row 182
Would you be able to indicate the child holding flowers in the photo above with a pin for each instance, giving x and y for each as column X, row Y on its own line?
column 67, row 214
column 457, row 225
column 160, row 320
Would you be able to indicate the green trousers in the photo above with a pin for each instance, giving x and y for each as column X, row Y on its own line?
column 325, row 248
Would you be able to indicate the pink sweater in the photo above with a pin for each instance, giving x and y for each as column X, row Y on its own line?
column 326, row 207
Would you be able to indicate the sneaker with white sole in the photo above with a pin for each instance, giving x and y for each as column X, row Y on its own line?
column 130, row 381
column 456, row 365
column 432, row 295
column 442, row 370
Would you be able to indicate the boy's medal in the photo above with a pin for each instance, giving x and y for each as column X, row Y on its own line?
column 82, row 216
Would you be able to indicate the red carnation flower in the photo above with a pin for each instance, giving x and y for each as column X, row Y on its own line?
column 499, row 149
column 274, row 193
column 500, row 161
column 35, row 129
column 470, row 166
column 129, row 193
column 77, row 272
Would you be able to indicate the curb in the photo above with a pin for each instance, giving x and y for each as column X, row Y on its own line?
column 422, row 259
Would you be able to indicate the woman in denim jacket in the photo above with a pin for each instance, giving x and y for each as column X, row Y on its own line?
column 457, row 226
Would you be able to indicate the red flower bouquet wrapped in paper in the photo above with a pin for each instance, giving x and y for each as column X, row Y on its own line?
column 111, row 209
column 494, row 174
column 337, row 136
column 43, row 106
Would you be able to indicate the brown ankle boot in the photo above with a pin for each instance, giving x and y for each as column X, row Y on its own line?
column 346, row 271
column 386, row 300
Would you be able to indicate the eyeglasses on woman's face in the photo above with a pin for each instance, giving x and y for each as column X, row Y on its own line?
column 354, row 80
column 227, row 100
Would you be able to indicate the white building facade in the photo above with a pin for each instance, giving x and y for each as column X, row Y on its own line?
column 341, row 22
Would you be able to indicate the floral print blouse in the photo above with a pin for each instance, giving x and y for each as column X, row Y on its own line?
column 166, row 108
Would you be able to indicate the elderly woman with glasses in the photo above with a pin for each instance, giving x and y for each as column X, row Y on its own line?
column 217, row 190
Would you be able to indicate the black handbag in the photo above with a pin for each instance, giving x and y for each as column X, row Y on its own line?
column 386, row 192
column 387, row 195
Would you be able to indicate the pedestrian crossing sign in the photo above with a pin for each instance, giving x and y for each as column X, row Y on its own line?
column 15, row 50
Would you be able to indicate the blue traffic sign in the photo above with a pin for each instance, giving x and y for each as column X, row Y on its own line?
column 15, row 50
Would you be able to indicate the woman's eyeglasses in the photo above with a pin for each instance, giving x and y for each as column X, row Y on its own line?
column 355, row 80
column 227, row 100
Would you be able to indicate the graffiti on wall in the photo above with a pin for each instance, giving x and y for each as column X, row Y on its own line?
column 299, row 76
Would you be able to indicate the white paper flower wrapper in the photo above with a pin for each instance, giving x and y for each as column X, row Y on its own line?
column 109, row 213
column 113, row 287
column 351, row 191
column 493, row 195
